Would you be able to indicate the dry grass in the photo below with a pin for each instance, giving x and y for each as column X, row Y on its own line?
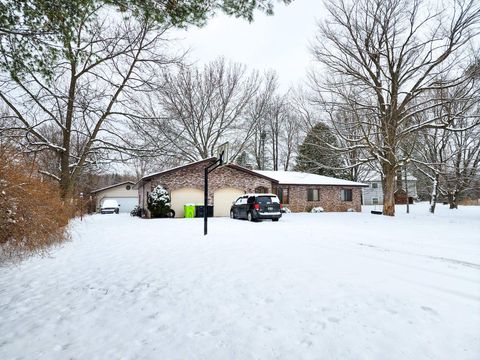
column 32, row 215
column 470, row 202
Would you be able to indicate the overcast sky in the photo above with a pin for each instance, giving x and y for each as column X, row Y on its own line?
column 278, row 42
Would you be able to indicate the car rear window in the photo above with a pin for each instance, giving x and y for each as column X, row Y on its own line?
column 110, row 203
column 267, row 199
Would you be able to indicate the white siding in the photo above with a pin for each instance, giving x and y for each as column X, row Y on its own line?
column 370, row 192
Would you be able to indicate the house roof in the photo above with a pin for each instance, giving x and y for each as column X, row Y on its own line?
column 211, row 159
column 301, row 178
column 377, row 178
column 111, row 186
column 152, row 175
column 282, row 177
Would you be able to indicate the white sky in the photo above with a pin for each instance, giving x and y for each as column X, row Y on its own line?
column 279, row 42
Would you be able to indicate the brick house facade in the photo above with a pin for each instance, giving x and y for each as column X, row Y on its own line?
column 329, row 198
column 230, row 181
column 192, row 177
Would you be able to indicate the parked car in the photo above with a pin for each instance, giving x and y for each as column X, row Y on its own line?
column 257, row 207
column 110, row 206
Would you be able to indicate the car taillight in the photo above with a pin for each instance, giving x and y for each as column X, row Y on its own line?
column 281, row 206
column 256, row 206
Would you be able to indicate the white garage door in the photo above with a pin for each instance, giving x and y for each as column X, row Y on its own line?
column 223, row 198
column 126, row 203
column 184, row 196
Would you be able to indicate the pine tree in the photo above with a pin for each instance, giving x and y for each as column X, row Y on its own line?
column 316, row 157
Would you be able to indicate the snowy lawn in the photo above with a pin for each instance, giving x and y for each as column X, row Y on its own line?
column 312, row 286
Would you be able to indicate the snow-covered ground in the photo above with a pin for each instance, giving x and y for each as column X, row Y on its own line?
column 312, row 286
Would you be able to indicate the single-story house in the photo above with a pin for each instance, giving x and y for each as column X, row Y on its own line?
column 297, row 191
column 373, row 194
column 301, row 191
column 124, row 193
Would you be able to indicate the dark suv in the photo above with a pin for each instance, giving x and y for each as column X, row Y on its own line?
column 256, row 207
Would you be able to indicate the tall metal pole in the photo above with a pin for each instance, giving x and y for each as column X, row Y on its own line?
column 208, row 169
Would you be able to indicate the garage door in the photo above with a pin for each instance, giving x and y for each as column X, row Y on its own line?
column 223, row 198
column 183, row 196
column 126, row 203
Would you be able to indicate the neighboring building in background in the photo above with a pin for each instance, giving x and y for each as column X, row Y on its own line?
column 373, row 194
column 123, row 193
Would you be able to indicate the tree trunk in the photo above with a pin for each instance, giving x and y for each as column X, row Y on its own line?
column 433, row 198
column 452, row 199
column 389, row 189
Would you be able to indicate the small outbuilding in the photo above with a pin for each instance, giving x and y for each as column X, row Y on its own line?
column 124, row 193
column 298, row 191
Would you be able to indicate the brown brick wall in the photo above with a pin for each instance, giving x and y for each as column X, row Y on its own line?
column 193, row 177
column 329, row 198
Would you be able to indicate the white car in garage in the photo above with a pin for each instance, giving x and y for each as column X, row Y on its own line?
column 110, row 206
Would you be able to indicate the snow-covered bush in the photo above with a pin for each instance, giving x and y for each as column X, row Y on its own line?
column 317, row 209
column 159, row 202
column 32, row 214
column 136, row 211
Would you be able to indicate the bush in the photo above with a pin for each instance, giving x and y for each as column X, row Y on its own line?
column 32, row 215
column 158, row 202
column 137, row 211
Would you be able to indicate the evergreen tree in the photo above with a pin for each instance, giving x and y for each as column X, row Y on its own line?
column 158, row 202
column 32, row 32
column 316, row 157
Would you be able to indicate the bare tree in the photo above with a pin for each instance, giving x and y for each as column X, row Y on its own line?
column 75, row 117
column 391, row 52
column 449, row 156
column 194, row 110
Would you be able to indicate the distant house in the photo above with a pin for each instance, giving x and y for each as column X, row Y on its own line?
column 373, row 194
column 122, row 192
column 298, row 191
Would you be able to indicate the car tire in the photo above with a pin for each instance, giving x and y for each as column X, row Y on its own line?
column 232, row 214
column 275, row 219
column 250, row 216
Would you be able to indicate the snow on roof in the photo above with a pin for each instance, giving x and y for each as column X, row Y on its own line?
column 301, row 178
column 377, row 177
column 112, row 186
column 260, row 194
column 176, row 168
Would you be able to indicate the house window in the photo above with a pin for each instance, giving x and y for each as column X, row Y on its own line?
column 128, row 187
column 346, row 194
column 283, row 195
column 261, row 190
column 313, row 194
column 374, row 185
column 375, row 201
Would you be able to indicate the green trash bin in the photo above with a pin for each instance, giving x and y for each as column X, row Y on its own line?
column 189, row 210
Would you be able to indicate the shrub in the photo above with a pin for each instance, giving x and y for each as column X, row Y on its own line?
column 32, row 215
column 158, row 202
column 137, row 211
